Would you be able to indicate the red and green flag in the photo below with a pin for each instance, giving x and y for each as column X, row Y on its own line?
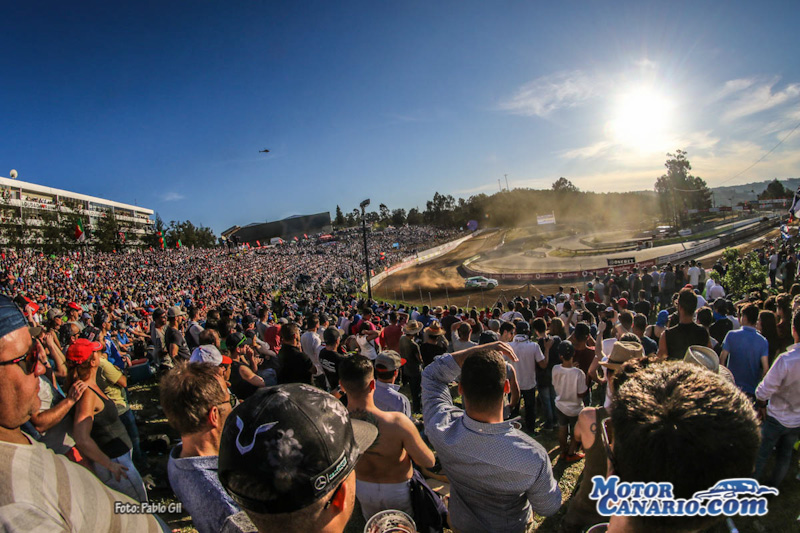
column 179, row 244
column 80, row 235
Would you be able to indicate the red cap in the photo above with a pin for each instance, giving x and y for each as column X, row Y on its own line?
column 226, row 360
column 81, row 350
column 623, row 302
column 73, row 305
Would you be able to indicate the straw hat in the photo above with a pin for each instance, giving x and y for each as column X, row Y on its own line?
column 434, row 330
column 622, row 352
column 412, row 327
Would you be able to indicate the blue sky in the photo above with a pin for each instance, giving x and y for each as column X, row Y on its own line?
column 168, row 103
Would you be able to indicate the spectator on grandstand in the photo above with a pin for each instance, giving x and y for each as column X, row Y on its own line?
column 383, row 474
column 74, row 312
column 674, row 341
column 746, row 352
column 99, row 434
column 55, row 493
column 461, row 336
column 387, row 396
column 210, row 354
column 780, row 427
column 433, row 345
column 412, row 370
column 330, row 357
column 570, row 386
column 193, row 327
column 196, row 401
column 391, row 334
column 492, row 333
column 692, row 416
column 544, row 376
column 366, row 340
column 161, row 358
column 114, row 384
column 529, row 357
column 497, row 473
column 294, row 366
column 244, row 367
column 276, row 449
column 639, row 327
column 767, row 326
column 311, row 344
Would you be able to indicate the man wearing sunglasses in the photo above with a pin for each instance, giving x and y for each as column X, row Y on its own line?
column 197, row 403
column 49, row 492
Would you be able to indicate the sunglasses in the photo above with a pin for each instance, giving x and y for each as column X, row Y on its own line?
column 605, row 432
column 26, row 362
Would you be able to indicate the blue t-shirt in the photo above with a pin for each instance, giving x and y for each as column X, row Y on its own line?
column 745, row 347
column 196, row 484
column 649, row 345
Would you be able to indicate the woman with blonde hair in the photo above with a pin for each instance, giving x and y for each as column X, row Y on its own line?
column 99, row 434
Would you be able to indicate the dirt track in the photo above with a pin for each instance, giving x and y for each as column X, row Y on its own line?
column 440, row 282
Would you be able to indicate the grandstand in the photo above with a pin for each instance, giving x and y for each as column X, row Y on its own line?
column 286, row 229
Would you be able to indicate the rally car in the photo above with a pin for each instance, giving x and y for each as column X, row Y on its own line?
column 480, row 281
column 730, row 488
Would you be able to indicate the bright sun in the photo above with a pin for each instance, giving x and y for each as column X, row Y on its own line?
column 641, row 120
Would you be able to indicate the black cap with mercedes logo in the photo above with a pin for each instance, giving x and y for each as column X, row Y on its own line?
column 287, row 446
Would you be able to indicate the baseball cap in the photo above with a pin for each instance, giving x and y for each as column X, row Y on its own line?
column 75, row 306
column 523, row 327
column 81, row 350
column 288, row 446
column 566, row 349
column 54, row 313
column 235, row 339
column 158, row 312
column 282, row 320
column 623, row 302
column 208, row 353
column 389, row 360
column 662, row 318
column 175, row 311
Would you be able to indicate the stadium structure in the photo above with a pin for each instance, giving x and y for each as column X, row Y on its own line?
column 27, row 205
column 286, row 229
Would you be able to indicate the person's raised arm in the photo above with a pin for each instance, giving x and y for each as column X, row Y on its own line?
column 516, row 394
column 249, row 376
column 44, row 420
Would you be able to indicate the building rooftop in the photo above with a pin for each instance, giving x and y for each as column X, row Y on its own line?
column 7, row 182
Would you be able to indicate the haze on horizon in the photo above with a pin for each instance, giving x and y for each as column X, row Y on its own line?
column 168, row 105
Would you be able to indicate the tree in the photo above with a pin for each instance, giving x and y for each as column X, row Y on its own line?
column 189, row 235
column 384, row 213
column 106, row 235
column 679, row 191
column 414, row 217
column 744, row 273
column 339, row 220
column 775, row 191
column 564, row 185
column 399, row 217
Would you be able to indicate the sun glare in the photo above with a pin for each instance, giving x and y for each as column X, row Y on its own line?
column 641, row 120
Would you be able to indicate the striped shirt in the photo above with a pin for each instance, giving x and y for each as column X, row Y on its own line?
column 497, row 473
column 44, row 492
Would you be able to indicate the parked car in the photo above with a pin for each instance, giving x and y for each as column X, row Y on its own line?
column 477, row 282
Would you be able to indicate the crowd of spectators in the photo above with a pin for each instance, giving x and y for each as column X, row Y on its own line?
column 285, row 389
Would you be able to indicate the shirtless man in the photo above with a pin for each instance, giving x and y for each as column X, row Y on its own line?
column 383, row 472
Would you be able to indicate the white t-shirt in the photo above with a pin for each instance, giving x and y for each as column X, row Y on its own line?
column 694, row 276
column 773, row 262
column 367, row 348
column 528, row 353
column 569, row 382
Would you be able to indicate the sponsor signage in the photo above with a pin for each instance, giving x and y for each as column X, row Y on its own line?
column 621, row 261
column 546, row 219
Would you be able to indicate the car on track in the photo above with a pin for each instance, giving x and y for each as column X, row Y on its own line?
column 477, row 282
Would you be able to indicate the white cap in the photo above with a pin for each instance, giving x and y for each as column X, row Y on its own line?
column 208, row 353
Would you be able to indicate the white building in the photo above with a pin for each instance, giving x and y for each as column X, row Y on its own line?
column 25, row 204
